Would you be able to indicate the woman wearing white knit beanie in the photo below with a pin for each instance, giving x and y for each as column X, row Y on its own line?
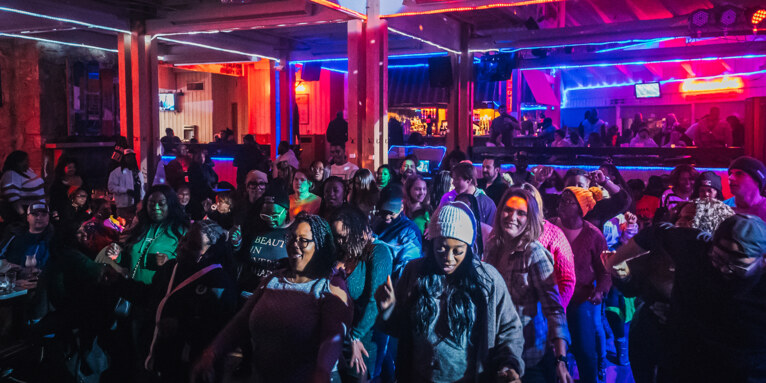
column 451, row 312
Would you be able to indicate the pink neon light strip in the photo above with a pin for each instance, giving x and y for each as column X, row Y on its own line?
column 475, row 8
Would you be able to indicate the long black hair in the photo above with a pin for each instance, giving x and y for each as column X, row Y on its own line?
column 465, row 292
column 359, row 232
column 323, row 262
column 176, row 219
column 14, row 160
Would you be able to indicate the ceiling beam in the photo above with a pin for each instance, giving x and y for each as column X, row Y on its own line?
column 211, row 16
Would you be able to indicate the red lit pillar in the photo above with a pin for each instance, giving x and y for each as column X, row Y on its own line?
column 139, row 96
column 368, row 89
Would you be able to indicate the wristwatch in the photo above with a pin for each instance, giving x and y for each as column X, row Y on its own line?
column 563, row 359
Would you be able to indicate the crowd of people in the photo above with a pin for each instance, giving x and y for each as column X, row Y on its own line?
column 710, row 131
column 336, row 273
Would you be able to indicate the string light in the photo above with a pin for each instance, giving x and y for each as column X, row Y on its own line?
column 62, row 19
column 423, row 41
column 27, row 37
column 217, row 48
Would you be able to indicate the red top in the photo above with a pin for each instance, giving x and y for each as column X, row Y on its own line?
column 591, row 273
column 556, row 242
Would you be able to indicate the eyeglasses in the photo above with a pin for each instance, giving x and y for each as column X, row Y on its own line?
column 255, row 185
column 273, row 217
column 722, row 259
column 303, row 243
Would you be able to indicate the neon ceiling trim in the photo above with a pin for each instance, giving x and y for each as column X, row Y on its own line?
column 407, row 66
column 340, row 8
column 636, row 45
column 217, row 48
column 645, row 62
column 58, row 42
column 628, row 168
column 62, row 19
column 464, row 9
column 433, row 44
column 632, row 41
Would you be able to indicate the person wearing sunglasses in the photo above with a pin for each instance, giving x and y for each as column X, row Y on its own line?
column 261, row 241
column 716, row 327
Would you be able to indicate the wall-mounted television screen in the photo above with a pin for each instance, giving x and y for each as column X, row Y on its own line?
column 168, row 101
column 648, row 90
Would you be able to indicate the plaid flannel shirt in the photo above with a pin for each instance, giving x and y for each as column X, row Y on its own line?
column 529, row 276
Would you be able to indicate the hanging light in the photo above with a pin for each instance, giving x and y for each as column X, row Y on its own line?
column 699, row 18
column 728, row 15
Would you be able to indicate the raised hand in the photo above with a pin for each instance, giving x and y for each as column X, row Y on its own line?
column 385, row 295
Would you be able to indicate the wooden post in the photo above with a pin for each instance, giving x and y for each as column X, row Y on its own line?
column 139, row 96
column 460, row 109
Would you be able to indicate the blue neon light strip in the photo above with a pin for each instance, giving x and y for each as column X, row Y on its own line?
column 636, row 45
column 407, row 66
column 646, row 62
column 633, row 41
column 526, row 108
column 335, row 70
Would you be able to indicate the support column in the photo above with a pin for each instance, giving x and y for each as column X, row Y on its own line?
column 460, row 110
column 555, row 112
column 286, row 102
column 368, row 89
column 139, row 97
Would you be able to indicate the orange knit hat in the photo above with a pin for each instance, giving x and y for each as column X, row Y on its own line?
column 587, row 198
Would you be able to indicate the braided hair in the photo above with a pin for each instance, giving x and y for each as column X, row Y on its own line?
column 323, row 261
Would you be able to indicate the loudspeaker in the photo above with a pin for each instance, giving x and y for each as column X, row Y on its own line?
column 440, row 72
column 311, row 71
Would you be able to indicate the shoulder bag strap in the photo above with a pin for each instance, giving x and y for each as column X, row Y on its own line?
column 148, row 364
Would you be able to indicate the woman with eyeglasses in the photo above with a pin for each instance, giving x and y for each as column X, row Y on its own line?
column 366, row 263
column 296, row 318
column 261, row 242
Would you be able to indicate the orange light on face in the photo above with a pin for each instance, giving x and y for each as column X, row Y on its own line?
column 724, row 84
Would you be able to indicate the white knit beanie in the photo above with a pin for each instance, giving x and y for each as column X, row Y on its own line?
column 454, row 220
